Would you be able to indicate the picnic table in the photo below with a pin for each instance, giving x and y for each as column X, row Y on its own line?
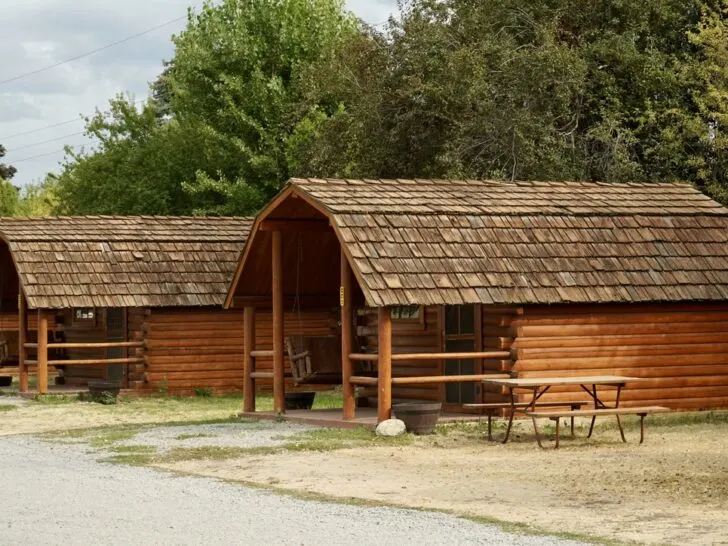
column 589, row 384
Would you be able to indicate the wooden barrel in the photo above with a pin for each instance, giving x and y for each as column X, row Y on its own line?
column 418, row 417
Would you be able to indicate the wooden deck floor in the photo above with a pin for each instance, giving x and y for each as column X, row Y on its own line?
column 366, row 417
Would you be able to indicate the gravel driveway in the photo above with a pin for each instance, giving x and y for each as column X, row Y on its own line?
column 60, row 494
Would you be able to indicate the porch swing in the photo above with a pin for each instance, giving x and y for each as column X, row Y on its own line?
column 314, row 360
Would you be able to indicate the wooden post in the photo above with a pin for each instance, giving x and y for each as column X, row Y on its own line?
column 384, row 347
column 22, row 340
column 278, row 381
column 42, row 352
column 249, row 361
column 478, row 347
column 347, row 311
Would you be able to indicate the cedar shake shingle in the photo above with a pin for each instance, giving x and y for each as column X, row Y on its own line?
column 458, row 242
column 129, row 261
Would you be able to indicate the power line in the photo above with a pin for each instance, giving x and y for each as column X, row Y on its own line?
column 44, row 142
column 42, row 128
column 38, row 156
column 86, row 54
column 59, row 124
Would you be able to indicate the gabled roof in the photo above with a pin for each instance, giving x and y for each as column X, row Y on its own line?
column 456, row 242
column 125, row 261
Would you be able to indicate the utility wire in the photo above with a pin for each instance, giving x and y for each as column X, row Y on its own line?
column 44, row 142
column 40, row 155
column 59, row 124
column 86, row 54
column 41, row 128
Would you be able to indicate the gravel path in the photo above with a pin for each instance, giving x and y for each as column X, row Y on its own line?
column 250, row 434
column 60, row 494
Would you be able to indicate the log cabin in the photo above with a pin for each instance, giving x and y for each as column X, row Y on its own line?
column 435, row 284
column 135, row 300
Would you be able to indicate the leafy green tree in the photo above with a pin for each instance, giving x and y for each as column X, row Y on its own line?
column 237, row 76
column 261, row 90
column 8, row 192
column 214, row 137
column 38, row 199
column 138, row 166
column 6, row 171
column 8, row 198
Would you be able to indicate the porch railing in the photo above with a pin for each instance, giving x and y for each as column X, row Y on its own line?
column 42, row 362
column 424, row 379
column 90, row 361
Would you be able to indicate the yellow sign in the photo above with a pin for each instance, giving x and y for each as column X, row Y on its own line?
column 341, row 296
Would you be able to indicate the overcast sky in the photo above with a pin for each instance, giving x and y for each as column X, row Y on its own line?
column 39, row 33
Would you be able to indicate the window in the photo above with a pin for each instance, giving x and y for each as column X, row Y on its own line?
column 406, row 312
column 84, row 314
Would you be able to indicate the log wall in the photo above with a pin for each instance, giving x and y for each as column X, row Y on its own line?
column 681, row 351
column 498, row 335
column 93, row 331
column 190, row 349
column 408, row 336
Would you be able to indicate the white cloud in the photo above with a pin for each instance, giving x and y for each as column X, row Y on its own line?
column 38, row 33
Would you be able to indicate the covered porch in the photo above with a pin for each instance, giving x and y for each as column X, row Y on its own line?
column 59, row 349
column 298, row 257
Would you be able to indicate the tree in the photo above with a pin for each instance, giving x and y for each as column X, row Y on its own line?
column 38, row 199
column 261, row 90
column 8, row 198
column 214, row 138
column 138, row 166
column 6, row 171
column 8, row 192
column 237, row 75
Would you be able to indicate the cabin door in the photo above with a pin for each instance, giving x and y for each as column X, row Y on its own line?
column 116, row 331
column 459, row 336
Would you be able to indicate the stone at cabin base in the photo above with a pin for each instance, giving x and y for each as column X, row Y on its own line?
column 391, row 427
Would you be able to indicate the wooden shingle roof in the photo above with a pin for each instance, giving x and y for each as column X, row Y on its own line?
column 456, row 242
column 115, row 261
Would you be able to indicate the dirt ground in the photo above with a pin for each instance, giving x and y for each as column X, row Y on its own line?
column 673, row 489
column 31, row 417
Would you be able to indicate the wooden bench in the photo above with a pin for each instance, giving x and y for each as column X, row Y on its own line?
column 642, row 412
column 491, row 408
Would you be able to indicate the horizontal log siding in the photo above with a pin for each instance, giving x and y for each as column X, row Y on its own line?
column 408, row 336
column 203, row 348
column 681, row 351
column 498, row 335
column 9, row 321
column 136, row 321
column 84, row 332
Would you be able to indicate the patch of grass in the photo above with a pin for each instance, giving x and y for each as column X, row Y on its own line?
column 7, row 407
column 201, row 391
column 97, row 436
column 211, row 453
column 469, row 428
column 313, row 440
column 133, row 449
column 666, row 420
column 132, row 459
column 52, row 399
column 329, row 439
column 109, row 437
column 190, row 436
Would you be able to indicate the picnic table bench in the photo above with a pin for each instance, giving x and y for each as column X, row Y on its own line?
column 642, row 412
column 491, row 408
column 538, row 386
